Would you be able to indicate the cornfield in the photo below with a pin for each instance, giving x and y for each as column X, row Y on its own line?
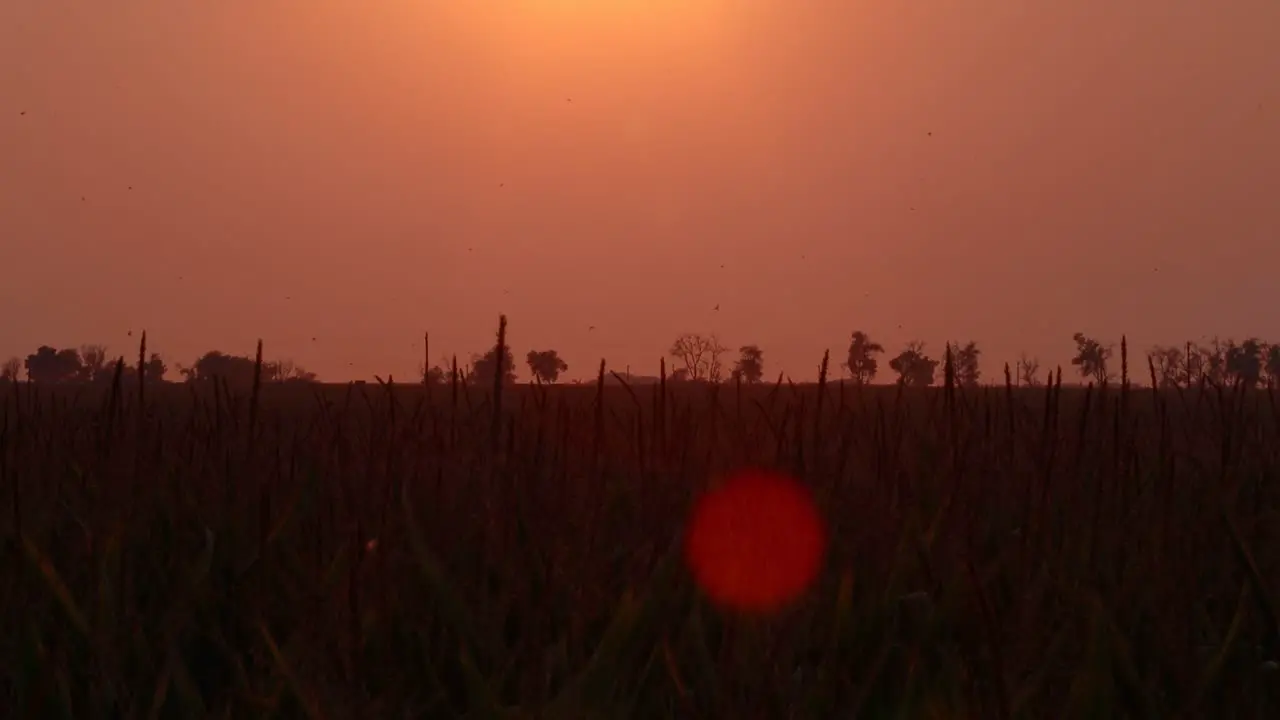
column 395, row 551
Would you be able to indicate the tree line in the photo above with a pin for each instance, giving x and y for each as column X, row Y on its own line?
column 89, row 364
column 697, row 358
column 704, row 358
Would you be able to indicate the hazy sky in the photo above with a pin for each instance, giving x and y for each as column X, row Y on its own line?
column 1008, row 171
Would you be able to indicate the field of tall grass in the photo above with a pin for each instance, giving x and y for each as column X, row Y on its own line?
column 394, row 551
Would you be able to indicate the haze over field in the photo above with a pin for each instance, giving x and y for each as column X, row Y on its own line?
column 359, row 172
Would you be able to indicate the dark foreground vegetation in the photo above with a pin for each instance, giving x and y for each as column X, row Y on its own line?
column 295, row 550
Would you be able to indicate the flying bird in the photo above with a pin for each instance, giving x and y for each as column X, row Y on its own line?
column 717, row 306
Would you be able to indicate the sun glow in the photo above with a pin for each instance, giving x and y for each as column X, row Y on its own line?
column 611, row 8
column 635, row 19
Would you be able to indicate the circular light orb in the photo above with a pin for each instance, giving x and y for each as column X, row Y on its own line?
column 755, row 543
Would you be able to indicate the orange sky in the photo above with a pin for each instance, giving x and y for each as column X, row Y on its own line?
column 360, row 172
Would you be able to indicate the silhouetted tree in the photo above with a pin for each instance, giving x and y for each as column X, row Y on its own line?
column 679, row 375
column 93, row 363
column 699, row 355
column 914, row 368
column 1271, row 365
column 234, row 370
column 49, row 365
column 437, row 375
column 750, row 365
column 1192, row 365
column 10, row 369
column 1028, row 370
column 434, row 375
column 966, row 363
column 1091, row 357
column 154, row 371
column 1211, row 360
column 1169, row 364
column 1243, row 362
column 861, row 363
column 484, row 366
column 546, row 365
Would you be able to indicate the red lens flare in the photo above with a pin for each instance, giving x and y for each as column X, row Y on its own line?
column 756, row 542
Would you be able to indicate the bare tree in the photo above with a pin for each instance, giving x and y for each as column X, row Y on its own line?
column 93, row 363
column 861, row 363
column 1211, row 360
column 1169, row 364
column 10, row 369
column 1028, row 370
column 700, row 355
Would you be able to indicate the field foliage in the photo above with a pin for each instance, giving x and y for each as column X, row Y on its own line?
column 194, row 550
